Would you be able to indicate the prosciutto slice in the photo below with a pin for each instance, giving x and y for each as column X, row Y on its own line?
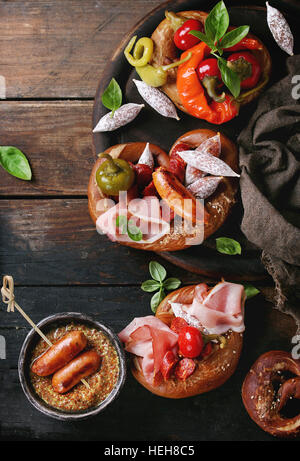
column 149, row 339
column 143, row 213
column 216, row 311
column 207, row 163
column 205, row 187
column 147, row 157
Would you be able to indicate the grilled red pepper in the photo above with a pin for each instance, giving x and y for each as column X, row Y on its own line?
column 247, row 67
column 209, row 74
column 182, row 37
column 150, row 190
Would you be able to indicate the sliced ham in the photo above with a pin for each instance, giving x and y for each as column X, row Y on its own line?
column 218, row 310
column 148, row 338
column 144, row 213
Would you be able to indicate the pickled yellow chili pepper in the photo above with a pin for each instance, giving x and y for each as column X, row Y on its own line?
column 220, row 338
column 142, row 52
column 158, row 76
column 176, row 21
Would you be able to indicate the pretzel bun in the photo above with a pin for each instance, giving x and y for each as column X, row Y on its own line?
column 219, row 204
column 165, row 52
column 210, row 372
column 174, row 241
column 263, row 402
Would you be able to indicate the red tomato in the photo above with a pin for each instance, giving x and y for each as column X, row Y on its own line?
column 143, row 174
column 184, row 369
column 190, row 342
column 168, row 364
column 183, row 39
column 177, row 324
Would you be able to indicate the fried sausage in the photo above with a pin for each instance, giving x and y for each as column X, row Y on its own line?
column 82, row 366
column 61, row 353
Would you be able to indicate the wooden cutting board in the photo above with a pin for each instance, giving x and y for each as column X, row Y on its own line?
column 150, row 126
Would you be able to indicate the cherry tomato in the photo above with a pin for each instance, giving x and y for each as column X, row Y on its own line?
column 168, row 364
column 185, row 368
column 183, row 39
column 248, row 68
column 177, row 324
column 190, row 342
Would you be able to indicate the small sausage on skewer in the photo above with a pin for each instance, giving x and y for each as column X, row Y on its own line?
column 82, row 366
column 60, row 353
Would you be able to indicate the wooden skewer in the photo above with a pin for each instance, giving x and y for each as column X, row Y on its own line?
column 8, row 297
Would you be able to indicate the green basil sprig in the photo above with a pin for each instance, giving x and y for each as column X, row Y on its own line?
column 15, row 162
column 217, row 39
column 228, row 246
column 160, row 283
column 133, row 232
column 250, row 290
column 112, row 96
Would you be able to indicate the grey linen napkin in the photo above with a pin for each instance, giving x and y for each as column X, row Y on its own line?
column 270, row 186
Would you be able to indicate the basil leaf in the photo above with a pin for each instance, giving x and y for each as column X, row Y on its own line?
column 172, row 283
column 134, row 232
column 15, row 162
column 234, row 36
column 230, row 78
column 228, row 246
column 157, row 299
column 150, row 286
column 250, row 290
column 157, row 271
column 121, row 221
column 112, row 96
column 203, row 38
column 217, row 22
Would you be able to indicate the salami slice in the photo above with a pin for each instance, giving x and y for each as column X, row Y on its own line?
column 185, row 368
column 211, row 146
column 205, row 187
column 207, row 163
column 147, row 157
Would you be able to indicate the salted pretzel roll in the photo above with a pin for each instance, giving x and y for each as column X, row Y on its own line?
column 271, row 382
column 211, row 372
column 165, row 52
column 174, row 241
column 219, row 204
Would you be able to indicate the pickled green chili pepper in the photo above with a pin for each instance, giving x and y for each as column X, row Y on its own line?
column 220, row 338
column 176, row 21
column 158, row 76
column 114, row 175
column 142, row 52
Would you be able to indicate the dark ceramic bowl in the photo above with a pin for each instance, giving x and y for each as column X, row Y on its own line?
column 24, row 366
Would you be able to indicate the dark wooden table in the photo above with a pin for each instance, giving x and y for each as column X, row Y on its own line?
column 52, row 56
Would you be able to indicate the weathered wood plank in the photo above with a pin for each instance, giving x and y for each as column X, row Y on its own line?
column 55, row 242
column 206, row 417
column 58, row 49
column 56, row 137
